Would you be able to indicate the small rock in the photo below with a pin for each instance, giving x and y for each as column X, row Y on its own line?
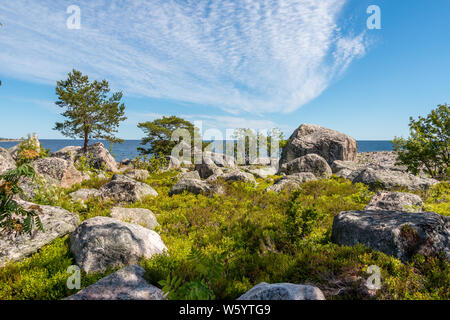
column 84, row 194
column 283, row 291
column 238, row 175
column 122, row 188
column 195, row 186
column 395, row 201
column 291, row 182
column 138, row 174
column 188, row 175
column 101, row 242
column 126, row 284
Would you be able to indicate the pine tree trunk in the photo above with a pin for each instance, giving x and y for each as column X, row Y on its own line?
column 86, row 141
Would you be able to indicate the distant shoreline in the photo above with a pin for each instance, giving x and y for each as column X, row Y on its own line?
column 128, row 149
column 10, row 140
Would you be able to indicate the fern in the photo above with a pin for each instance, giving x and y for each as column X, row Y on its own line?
column 210, row 269
column 171, row 287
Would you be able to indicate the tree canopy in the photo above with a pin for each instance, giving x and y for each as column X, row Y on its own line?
column 159, row 133
column 428, row 147
column 90, row 111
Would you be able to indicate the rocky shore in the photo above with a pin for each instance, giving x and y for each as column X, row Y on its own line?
column 393, row 222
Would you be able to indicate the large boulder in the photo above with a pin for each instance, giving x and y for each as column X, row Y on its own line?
column 143, row 217
column 6, row 161
column 283, row 291
column 291, row 182
column 309, row 163
column 238, row 175
column 395, row 201
column 126, row 284
column 125, row 189
column 58, row 172
column 98, row 156
column 389, row 179
column 56, row 221
column 396, row 233
column 100, row 243
column 329, row 144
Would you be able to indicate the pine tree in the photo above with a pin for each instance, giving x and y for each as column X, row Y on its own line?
column 91, row 113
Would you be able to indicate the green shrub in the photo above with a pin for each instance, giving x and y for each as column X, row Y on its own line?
column 30, row 150
column 427, row 148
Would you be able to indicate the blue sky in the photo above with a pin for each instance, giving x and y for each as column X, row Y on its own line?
column 230, row 64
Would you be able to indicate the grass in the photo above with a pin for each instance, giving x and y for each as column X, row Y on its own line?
column 259, row 236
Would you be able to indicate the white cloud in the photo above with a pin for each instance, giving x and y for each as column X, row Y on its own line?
column 256, row 56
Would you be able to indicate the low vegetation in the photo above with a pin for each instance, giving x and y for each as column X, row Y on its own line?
column 220, row 246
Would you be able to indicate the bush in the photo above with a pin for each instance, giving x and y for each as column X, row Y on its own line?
column 30, row 150
column 428, row 146
column 154, row 164
column 437, row 199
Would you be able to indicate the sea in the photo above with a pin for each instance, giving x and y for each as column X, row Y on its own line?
column 128, row 149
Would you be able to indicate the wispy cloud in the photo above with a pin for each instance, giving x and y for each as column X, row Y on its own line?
column 257, row 56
